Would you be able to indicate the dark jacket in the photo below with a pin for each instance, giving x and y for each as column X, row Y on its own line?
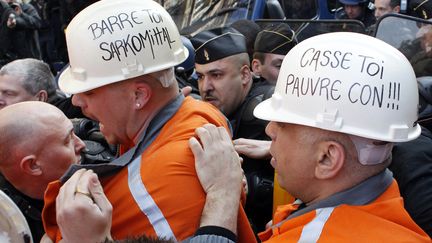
column 30, row 208
column 24, row 35
column 5, row 37
column 65, row 104
column 412, row 168
column 367, row 18
column 259, row 173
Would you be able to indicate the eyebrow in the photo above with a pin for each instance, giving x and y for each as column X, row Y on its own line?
column 68, row 134
column 216, row 70
column 9, row 90
column 275, row 61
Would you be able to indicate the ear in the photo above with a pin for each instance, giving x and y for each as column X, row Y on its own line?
column 29, row 165
column 256, row 67
column 330, row 161
column 396, row 9
column 246, row 74
column 143, row 93
column 42, row 96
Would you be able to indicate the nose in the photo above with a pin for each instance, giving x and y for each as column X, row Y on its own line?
column 206, row 85
column 377, row 13
column 270, row 130
column 2, row 102
column 77, row 100
column 79, row 144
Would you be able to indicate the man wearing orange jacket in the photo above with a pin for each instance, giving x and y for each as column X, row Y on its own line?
column 122, row 55
column 338, row 107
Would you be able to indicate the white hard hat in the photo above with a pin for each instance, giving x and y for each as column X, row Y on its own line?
column 349, row 83
column 13, row 225
column 114, row 40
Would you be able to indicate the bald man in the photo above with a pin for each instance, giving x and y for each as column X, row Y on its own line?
column 37, row 148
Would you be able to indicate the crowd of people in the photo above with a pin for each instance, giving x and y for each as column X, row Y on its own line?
column 329, row 122
column 35, row 29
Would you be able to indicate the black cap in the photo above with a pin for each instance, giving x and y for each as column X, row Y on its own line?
column 212, row 45
column 250, row 30
column 421, row 9
column 275, row 39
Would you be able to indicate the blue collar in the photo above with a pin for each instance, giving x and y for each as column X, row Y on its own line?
column 361, row 194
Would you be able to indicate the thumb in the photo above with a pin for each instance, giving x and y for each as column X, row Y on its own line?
column 186, row 90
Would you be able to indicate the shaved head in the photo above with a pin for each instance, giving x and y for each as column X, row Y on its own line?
column 38, row 146
column 21, row 125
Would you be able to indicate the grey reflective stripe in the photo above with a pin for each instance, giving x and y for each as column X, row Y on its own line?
column 312, row 231
column 146, row 203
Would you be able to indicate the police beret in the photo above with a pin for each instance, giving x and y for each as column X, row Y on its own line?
column 212, row 45
column 276, row 39
column 250, row 30
column 421, row 9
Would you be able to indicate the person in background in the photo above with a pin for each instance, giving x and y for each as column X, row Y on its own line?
column 386, row 6
column 271, row 46
column 225, row 81
column 357, row 10
column 31, row 79
column 25, row 80
column 420, row 9
column 23, row 23
column 250, row 30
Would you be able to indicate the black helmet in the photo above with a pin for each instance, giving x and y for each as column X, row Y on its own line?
column 420, row 9
column 353, row 2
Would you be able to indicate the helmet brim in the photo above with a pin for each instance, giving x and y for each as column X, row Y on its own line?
column 70, row 85
column 266, row 111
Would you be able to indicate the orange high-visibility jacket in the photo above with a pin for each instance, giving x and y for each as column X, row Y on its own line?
column 382, row 220
column 159, row 193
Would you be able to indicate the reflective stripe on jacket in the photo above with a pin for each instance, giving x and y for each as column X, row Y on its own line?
column 159, row 193
column 381, row 220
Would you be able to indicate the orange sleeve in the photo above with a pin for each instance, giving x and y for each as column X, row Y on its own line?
column 49, row 211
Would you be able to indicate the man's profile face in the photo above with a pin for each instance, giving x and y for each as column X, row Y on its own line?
column 12, row 91
column 109, row 106
column 60, row 146
column 383, row 7
column 353, row 11
column 221, row 84
column 271, row 67
column 292, row 155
